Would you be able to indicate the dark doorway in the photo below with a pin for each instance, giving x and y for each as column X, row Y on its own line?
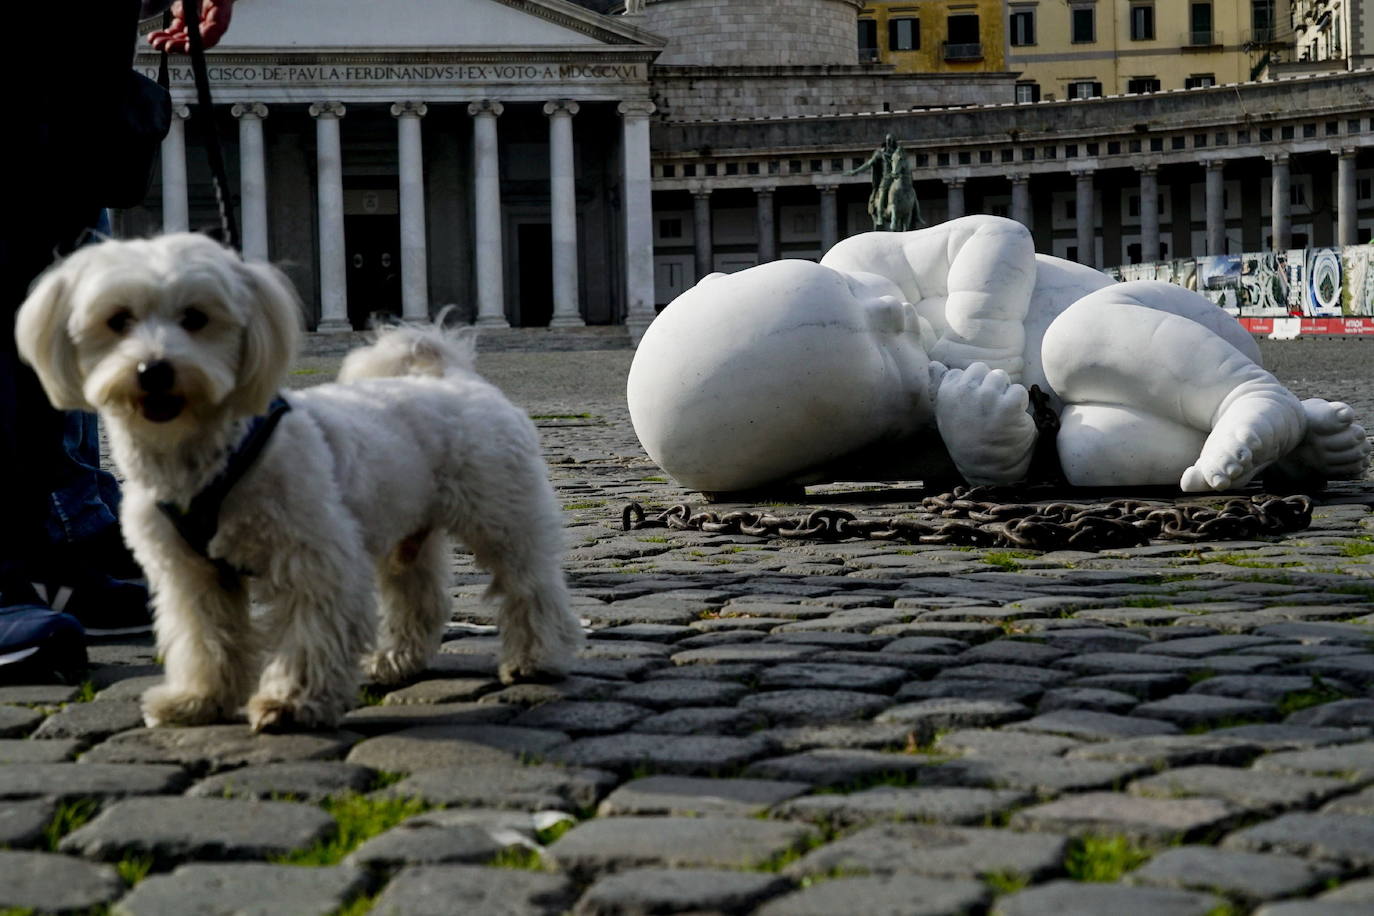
column 373, row 251
column 535, row 257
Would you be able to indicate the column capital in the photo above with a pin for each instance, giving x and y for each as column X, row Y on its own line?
column 635, row 108
column 1019, row 177
column 486, row 107
column 1149, row 168
column 701, row 191
column 765, row 190
column 826, row 187
column 1278, row 158
column 1349, row 152
column 410, row 107
column 1086, row 172
column 249, row 110
column 327, row 109
column 957, row 182
column 561, row 106
column 181, row 112
column 1214, row 165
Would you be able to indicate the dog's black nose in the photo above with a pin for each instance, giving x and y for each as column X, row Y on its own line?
column 156, row 376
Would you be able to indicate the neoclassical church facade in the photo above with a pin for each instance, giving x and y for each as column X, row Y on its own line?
column 537, row 163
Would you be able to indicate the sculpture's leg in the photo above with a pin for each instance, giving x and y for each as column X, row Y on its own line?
column 1116, row 351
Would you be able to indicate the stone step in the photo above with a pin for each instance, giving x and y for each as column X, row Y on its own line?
column 494, row 340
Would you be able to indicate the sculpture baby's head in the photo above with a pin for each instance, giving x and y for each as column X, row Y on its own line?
column 772, row 373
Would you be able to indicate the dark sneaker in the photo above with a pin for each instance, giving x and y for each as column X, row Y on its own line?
column 105, row 606
column 39, row 645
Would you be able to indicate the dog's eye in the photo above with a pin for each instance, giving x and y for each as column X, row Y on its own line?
column 119, row 322
column 193, row 319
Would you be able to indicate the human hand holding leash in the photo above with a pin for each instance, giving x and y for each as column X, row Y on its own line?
column 214, row 22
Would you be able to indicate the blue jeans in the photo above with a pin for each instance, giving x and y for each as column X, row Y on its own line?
column 61, row 500
column 85, row 499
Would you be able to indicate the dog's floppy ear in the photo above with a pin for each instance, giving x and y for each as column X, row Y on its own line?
column 41, row 332
column 270, row 336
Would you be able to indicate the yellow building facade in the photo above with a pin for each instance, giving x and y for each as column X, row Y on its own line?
column 935, row 36
column 1067, row 49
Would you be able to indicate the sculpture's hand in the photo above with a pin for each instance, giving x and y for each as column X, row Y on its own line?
column 983, row 421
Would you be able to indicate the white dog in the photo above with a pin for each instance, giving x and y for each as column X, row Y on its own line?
column 181, row 346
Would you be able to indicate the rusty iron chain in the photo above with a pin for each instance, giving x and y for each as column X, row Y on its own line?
column 974, row 517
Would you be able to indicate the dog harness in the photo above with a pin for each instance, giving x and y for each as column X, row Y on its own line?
column 199, row 522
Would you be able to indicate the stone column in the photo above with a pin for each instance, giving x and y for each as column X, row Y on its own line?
column 830, row 216
column 1020, row 200
column 765, row 225
column 414, row 254
column 1149, row 213
column 1213, row 170
column 1347, row 226
column 329, row 178
column 1083, row 216
column 1280, row 217
column 563, row 204
column 176, row 211
column 491, row 293
column 252, row 178
column 637, row 200
column 701, row 231
column 954, row 194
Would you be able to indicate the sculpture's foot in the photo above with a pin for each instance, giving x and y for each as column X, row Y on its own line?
column 1334, row 448
column 983, row 421
column 1250, row 434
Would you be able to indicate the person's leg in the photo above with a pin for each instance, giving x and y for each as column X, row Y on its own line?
column 1164, row 375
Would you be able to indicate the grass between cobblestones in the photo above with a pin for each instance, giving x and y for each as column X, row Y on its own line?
column 1105, row 859
column 1320, row 692
column 777, row 863
column 358, row 818
column 69, row 816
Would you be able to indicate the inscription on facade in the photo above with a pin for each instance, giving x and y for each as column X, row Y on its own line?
column 313, row 74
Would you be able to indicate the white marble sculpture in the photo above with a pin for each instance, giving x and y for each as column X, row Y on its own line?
column 901, row 352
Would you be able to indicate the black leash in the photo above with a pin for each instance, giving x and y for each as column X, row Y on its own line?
column 228, row 223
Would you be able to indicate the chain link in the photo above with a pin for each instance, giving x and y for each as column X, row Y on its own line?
column 972, row 517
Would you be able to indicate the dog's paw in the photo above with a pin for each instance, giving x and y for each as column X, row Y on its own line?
column 274, row 714
column 529, row 672
column 393, row 666
column 164, row 705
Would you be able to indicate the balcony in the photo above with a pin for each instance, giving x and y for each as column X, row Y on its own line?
column 1201, row 38
column 868, row 55
column 963, row 50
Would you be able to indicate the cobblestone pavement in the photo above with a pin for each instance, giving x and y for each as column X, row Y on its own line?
column 759, row 726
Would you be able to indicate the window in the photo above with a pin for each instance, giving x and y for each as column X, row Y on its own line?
column 1022, row 28
column 963, row 41
column 1200, row 24
column 1142, row 84
column 1143, row 22
column 670, row 228
column 903, row 34
column 868, row 39
column 1199, row 80
column 1084, row 89
column 1262, row 22
column 1084, row 24
column 1027, row 92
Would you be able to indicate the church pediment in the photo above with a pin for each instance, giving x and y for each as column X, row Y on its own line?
column 337, row 25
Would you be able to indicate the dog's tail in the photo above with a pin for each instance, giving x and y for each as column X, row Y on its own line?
column 413, row 349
